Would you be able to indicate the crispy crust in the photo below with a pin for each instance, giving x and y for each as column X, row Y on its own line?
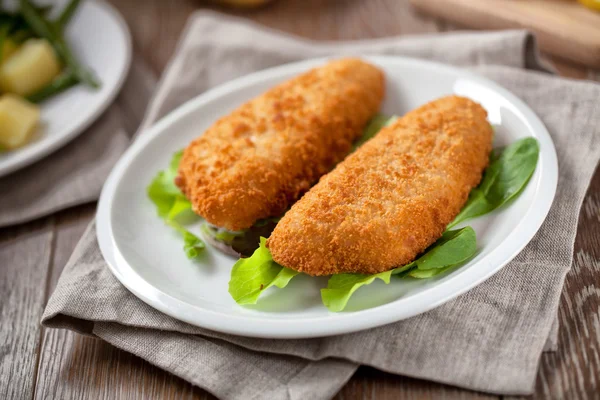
column 392, row 198
column 258, row 160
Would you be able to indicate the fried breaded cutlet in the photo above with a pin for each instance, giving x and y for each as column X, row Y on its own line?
column 392, row 198
column 257, row 161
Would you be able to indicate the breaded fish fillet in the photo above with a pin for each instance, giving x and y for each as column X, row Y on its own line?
column 392, row 198
column 258, row 160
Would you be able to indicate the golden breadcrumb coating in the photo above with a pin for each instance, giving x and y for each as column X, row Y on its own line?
column 258, row 160
column 392, row 198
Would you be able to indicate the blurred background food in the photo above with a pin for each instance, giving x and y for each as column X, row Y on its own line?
column 36, row 63
column 18, row 120
column 593, row 4
column 29, row 68
column 569, row 29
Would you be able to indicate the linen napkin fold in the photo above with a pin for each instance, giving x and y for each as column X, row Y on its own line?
column 489, row 339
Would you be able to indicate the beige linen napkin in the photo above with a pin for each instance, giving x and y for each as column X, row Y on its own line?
column 489, row 339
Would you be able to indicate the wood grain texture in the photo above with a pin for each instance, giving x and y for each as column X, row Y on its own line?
column 573, row 372
column 156, row 25
column 77, row 367
column 68, row 229
column 563, row 28
column 371, row 384
column 569, row 69
column 25, row 254
column 73, row 366
column 343, row 19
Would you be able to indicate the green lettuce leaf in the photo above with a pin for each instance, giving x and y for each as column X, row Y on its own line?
column 505, row 177
column 180, row 206
column 220, row 234
column 250, row 276
column 192, row 244
column 171, row 204
column 340, row 288
column 452, row 249
column 164, row 193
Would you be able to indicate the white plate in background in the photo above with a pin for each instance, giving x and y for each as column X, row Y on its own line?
column 147, row 256
column 100, row 39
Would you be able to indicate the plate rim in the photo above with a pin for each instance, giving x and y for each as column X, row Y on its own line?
column 339, row 323
column 35, row 155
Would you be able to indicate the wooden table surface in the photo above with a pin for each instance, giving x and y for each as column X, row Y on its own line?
column 42, row 363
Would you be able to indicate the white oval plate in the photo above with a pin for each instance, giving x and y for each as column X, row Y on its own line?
column 147, row 256
column 100, row 39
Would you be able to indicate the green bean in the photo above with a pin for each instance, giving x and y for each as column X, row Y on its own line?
column 19, row 30
column 43, row 10
column 61, row 83
column 48, row 31
column 21, row 35
column 67, row 13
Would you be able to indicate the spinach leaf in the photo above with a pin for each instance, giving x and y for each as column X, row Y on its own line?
column 452, row 249
column 504, row 179
column 428, row 273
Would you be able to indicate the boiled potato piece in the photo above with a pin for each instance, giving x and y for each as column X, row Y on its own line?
column 30, row 68
column 8, row 48
column 18, row 120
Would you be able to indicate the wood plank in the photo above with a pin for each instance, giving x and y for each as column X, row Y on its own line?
column 561, row 369
column 79, row 367
column 74, row 366
column 569, row 69
column 343, row 20
column 25, row 253
column 573, row 372
column 156, row 26
column 69, row 227
column 564, row 67
column 563, row 28
column 369, row 383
